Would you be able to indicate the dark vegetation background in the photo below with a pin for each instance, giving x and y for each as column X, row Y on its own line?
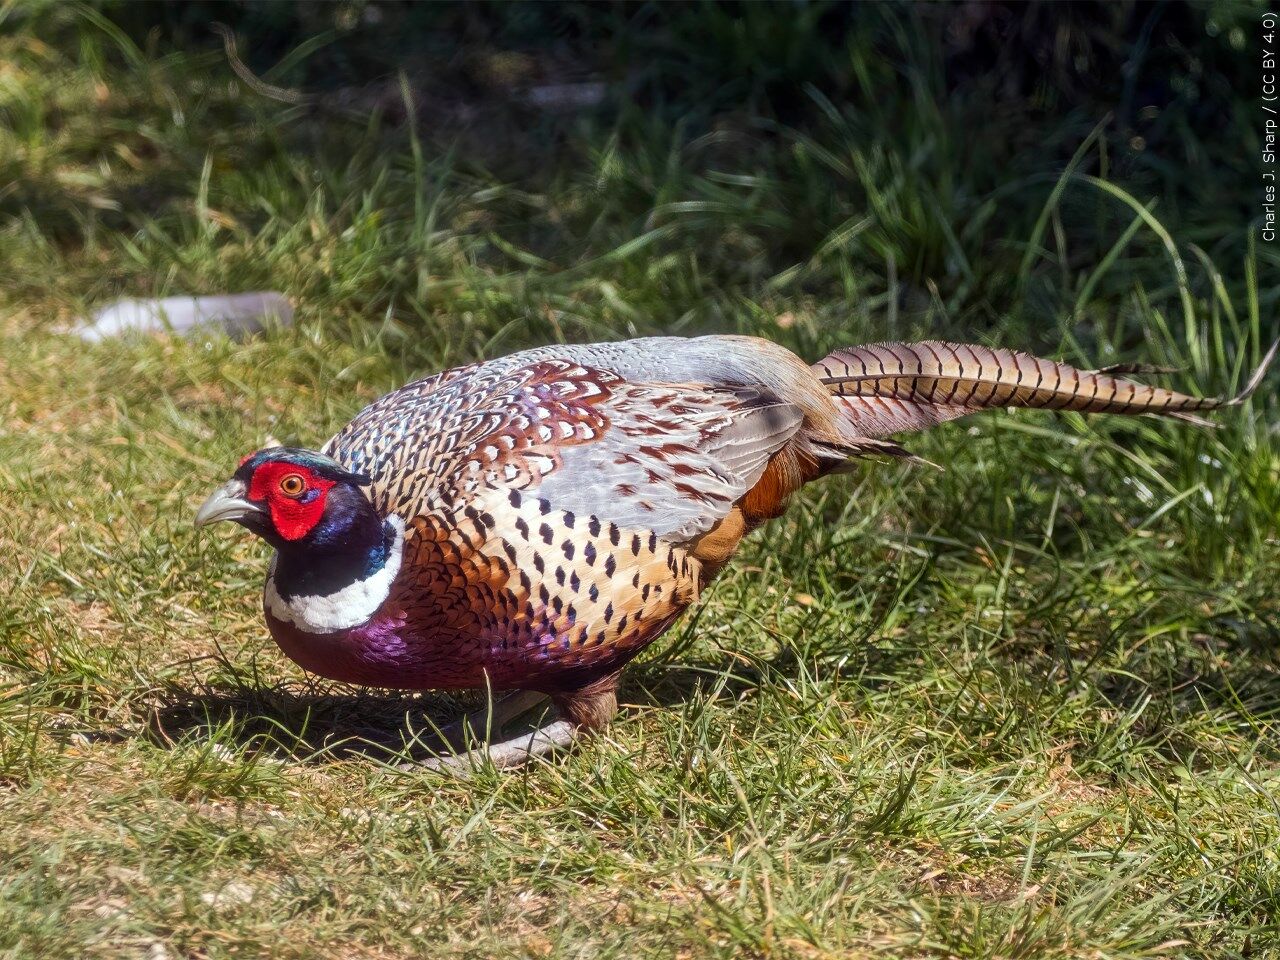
column 910, row 143
column 1022, row 708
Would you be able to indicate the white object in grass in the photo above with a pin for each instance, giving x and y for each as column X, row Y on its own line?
column 237, row 315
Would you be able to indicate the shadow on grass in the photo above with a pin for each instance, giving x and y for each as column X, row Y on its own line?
column 308, row 723
column 322, row 723
column 1237, row 686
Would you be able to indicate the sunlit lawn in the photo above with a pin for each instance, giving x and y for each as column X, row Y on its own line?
column 1025, row 707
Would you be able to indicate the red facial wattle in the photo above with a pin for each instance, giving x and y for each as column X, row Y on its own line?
column 293, row 516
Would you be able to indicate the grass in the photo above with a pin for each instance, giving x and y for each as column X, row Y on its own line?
column 1023, row 708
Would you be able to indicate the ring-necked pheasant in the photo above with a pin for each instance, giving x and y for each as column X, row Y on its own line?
column 533, row 522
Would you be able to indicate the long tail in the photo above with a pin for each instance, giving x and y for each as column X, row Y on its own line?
column 886, row 388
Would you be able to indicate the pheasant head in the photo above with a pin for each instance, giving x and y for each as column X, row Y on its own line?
column 327, row 534
column 290, row 496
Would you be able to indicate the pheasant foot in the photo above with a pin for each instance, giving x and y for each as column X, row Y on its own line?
column 583, row 711
column 491, row 718
column 520, row 749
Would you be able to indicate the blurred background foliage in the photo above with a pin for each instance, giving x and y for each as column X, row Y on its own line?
column 624, row 166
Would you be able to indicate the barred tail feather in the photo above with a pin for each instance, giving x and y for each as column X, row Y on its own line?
column 886, row 388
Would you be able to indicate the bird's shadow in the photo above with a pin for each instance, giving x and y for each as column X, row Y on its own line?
column 308, row 723
column 316, row 723
column 320, row 723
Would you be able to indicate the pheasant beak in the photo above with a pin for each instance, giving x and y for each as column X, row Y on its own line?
column 228, row 503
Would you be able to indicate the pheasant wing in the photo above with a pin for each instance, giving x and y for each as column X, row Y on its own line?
column 671, row 458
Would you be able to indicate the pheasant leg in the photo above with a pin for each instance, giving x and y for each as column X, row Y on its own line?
column 555, row 735
column 583, row 712
column 490, row 718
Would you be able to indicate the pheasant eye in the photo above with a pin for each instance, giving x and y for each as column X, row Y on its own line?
column 292, row 484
